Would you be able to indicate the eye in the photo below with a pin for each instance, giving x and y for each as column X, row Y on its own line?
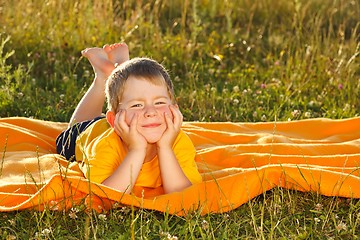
column 160, row 103
column 138, row 105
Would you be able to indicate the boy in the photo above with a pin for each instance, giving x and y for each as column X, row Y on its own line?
column 139, row 147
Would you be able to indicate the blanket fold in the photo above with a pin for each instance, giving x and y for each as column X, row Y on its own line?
column 238, row 161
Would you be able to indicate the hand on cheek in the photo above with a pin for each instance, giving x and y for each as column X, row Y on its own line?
column 173, row 121
column 177, row 116
column 169, row 112
column 120, row 126
column 128, row 132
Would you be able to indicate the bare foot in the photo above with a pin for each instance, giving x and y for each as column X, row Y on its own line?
column 117, row 53
column 98, row 59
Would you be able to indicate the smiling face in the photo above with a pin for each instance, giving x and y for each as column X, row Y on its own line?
column 149, row 101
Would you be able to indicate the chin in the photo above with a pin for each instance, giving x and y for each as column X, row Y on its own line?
column 153, row 135
column 152, row 140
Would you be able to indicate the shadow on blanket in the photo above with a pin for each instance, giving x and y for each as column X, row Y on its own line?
column 238, row 161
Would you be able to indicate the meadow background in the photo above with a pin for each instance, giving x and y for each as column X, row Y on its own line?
column 240, row 61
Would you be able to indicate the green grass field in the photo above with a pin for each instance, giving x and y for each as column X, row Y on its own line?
column 240, row 61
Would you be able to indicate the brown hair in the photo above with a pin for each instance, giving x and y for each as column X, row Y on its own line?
column 146, row 68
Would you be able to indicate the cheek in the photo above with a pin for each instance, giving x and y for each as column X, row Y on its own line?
column 129, row 115
column 165, row 109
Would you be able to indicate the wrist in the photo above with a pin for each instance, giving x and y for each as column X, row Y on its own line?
column 138, row 152
column 164, row 148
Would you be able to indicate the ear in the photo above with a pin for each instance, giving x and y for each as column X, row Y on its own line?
column 110, row 117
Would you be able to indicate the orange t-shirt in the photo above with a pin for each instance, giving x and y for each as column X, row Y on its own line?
column 100, row 151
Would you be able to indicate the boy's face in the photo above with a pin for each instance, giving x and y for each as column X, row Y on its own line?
column 150, row 102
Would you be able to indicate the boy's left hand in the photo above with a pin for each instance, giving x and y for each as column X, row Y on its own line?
column 173, row 127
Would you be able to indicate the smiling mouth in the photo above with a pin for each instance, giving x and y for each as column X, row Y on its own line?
column 152, row 125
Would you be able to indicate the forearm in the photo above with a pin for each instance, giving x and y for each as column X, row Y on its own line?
column 91, row 104
column 125, row 176
column 172, row 175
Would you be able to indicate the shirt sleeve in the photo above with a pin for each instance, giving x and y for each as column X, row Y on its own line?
column 99, row 156
column 184, row 151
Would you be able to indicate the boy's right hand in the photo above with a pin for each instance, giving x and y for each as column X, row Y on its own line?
column 129, row 133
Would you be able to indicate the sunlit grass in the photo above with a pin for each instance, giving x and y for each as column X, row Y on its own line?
column 242, row 61
column 283, row 57
column 277, row 214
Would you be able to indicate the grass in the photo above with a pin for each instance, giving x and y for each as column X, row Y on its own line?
column 278, row 214
column 240, row 61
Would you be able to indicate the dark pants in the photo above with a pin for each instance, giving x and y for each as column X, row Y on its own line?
column 65, row 142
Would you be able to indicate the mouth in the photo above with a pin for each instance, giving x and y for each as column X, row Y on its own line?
column 151, row 125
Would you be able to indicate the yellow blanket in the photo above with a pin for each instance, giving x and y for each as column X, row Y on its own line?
column 238, row 161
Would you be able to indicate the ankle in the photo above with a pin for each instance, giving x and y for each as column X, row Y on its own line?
column 99, row 81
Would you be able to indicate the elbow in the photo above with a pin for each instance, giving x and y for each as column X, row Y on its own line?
column 178, row 188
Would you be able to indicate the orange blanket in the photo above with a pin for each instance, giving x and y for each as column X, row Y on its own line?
column 238, row 161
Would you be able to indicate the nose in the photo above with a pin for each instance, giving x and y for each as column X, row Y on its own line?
column 150, row 111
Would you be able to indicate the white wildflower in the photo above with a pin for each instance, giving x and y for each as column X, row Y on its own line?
column 341, row 226
column 46, row 232
column 236, row 89
column 102, row 217
column 205, row 225
column 296, row 113
column 318, row 207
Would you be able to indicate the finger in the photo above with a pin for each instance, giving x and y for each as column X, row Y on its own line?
column 175, row 110
column 168, row 120
column 178, row 117
column 116, row 124
column 122, row 120
column 134, row 122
